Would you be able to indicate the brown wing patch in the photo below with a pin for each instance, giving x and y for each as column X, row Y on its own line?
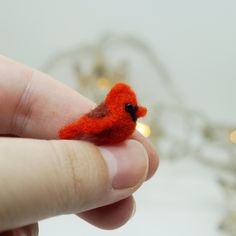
column 98, row 112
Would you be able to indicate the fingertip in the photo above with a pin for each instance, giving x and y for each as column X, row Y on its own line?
column 152, row 154
column 127, row 163
column 111, row 216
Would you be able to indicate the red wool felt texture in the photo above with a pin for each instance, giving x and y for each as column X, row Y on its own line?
column 109, row 122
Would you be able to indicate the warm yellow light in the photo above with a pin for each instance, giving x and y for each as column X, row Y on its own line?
column 143, row 129
column 233, row 136
column 103, row 83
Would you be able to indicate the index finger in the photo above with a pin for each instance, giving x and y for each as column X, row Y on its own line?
column 34, row 105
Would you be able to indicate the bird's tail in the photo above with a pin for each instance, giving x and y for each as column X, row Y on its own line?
column 70, row 132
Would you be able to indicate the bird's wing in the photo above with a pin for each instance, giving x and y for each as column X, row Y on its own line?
column 94, row 122
column 99, row 112
column 98, row 120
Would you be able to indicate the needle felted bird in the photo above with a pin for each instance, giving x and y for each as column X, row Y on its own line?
column 113, row 121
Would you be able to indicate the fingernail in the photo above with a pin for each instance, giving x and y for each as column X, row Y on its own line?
column 134, row 209
column 151, row 150
column 127, row 163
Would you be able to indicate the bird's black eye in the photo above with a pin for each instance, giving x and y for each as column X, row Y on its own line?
column 132, row 110
column 129, row 107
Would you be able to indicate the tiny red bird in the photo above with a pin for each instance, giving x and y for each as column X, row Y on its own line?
column 113, row 121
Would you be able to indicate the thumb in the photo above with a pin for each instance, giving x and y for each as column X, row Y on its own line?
column 40, row 179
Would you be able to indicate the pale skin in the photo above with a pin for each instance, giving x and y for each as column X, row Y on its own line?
column 41, row 176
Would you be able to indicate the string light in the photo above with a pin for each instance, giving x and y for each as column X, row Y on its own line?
column 232, row 136
column 103, row 83
column 143, row 129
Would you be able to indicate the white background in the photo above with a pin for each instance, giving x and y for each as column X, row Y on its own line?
column 196, row 41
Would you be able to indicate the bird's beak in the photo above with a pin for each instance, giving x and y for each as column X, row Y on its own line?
column 142, row 111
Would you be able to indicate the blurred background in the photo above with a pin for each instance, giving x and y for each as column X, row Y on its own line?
column 180, row 57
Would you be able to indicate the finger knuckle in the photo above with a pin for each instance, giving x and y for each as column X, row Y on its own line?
column 23, row 106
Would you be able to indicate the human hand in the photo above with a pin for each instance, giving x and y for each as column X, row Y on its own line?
column 41, row 177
